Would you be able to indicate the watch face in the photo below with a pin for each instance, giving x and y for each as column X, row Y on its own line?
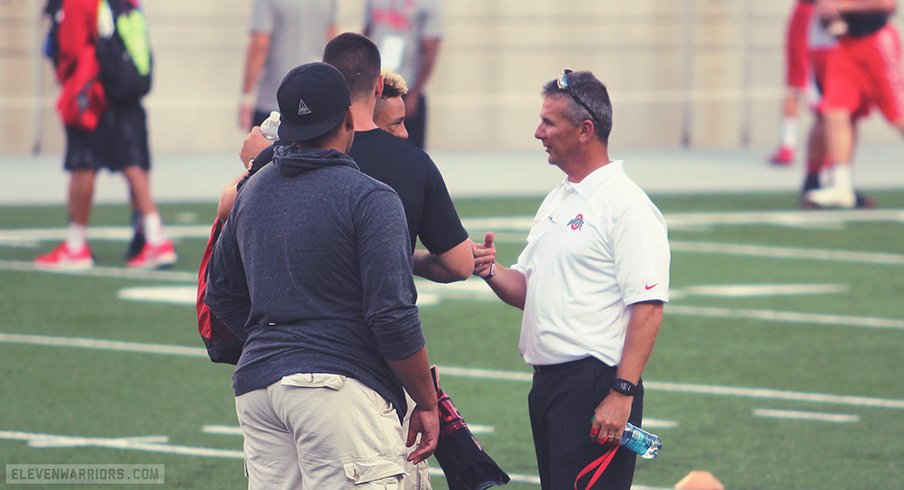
column 624, row 387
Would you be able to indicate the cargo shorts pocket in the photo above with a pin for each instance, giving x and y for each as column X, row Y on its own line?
column 374, row 474
column 314, row 380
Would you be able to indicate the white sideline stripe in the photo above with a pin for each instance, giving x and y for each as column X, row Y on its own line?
column 113, row 233
column 430, row 294
column 765, row 393
column 519, row 223
column 114, row 272
column 785, row 218
column 659, row 423
column 757, row 290
column 187, row 295
column 107, row 345
column 84, row 441
column 787, row 252
column 761, row 251
column 490, row 374
column 228, row 430
column 786, row 316
column 697, row 389
column 134, row 444
column 137, row 444
column 838, row 418
column 683, row 220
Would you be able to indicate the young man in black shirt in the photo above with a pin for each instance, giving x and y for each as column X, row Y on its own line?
column 407, row 169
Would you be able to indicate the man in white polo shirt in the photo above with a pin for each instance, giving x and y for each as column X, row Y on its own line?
column 592, row 282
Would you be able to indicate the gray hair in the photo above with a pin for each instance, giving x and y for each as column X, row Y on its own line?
column 592, row 92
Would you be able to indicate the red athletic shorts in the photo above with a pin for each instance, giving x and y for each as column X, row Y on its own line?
column 798, row 63
column 866, row 71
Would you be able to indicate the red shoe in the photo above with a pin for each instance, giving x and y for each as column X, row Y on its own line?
column 783, row 156
column 63, row 257
column 154, row 256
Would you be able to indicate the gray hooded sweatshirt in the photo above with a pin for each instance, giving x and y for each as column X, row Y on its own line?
column 313, row 271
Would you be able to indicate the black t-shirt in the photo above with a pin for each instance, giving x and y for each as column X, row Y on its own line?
column 415, row 178
column 862, row 24
column 407, row 169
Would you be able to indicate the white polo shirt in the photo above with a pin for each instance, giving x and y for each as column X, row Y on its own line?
column 595, row 248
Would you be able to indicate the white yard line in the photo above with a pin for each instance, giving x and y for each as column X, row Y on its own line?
column 139, row 444
column 471, row 290
column 520, row 223
column 485, row 374
column 787, row 253
column 111, row 272
column 130, row 443
column 687, row 220
column 837, row 418
column 759, row 290
column 786, row 316
column 223, row 430
column 228, row 430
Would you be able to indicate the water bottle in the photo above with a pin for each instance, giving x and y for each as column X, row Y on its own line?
column 645, row 444
column 270, row 126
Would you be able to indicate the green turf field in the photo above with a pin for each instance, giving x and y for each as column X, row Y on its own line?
column 778, row 366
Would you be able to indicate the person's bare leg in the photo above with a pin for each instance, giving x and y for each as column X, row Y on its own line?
column 839, row 190
column 81, row 197
column 158, row 250
column 81, row 194
column 73, row 253
column 140, row 189
column 817, row 153
column 840, row 136
column 784, row 155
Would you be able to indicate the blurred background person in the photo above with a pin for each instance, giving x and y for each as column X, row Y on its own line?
column 389, row 112
column 797, row 77
column 409, row 34
column 103, row 130
column 821, row 43
column 284, row 34
column 864, row 71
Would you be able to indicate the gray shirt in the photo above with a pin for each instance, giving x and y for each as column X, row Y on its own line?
column 298, row 33
column 313, row 271
column 398, row 27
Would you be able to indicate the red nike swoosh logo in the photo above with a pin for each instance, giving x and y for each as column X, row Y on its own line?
column 650, row 286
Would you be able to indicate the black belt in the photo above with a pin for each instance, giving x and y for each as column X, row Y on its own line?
column 549, row 367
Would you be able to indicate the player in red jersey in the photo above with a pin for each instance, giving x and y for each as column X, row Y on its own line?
column 864, row 71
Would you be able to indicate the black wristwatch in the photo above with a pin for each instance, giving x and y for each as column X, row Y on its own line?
column 624, row 387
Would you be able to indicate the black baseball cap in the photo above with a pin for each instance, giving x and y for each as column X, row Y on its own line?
column 313, row 99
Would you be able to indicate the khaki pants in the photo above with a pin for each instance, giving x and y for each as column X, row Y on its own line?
column 321, row 431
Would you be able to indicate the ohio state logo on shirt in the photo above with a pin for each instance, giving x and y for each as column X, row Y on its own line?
column 577, row 222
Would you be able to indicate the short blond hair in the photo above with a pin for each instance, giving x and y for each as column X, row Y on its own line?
column 393, row 84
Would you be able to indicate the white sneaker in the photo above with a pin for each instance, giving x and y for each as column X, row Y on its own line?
column 832, row 197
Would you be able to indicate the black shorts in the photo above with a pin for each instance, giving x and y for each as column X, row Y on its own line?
column 120, row 140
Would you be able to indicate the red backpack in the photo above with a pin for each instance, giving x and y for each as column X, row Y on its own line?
column 222, row 345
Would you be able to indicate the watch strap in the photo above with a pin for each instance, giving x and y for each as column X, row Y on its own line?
column 624, row 386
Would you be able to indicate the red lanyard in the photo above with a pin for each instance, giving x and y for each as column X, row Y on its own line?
column 600, row 465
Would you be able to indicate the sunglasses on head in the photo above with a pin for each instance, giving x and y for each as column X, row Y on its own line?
column 563, row 83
